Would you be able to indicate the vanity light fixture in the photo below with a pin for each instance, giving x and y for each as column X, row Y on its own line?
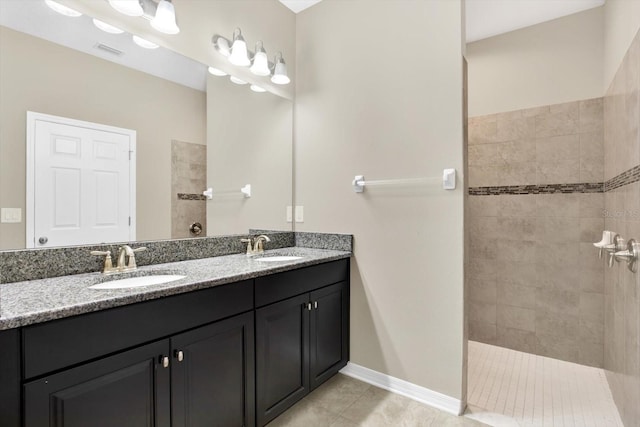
column 237, row 81
column 161, row 13
column 127, row 7
column 107, row 28
column 165, row 18
column 144, row 43
column 61, row 9
column 280, row 76
column 257, row 88
column 238, row 54
column 216, row 72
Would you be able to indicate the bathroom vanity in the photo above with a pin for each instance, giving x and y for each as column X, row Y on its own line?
column 235, row 344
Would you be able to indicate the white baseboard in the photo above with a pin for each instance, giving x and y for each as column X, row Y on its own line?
column 404, row 388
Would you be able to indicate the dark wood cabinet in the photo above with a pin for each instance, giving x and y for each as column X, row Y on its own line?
column 128, row 389
column 212, row 375
column 329, row 337
column 202, row 377
column 234, row 355
column 300, row 343
column 282, row 356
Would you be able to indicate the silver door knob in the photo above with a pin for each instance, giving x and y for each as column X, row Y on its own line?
column 43, row 240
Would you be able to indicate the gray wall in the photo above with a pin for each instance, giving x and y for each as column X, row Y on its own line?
column 535, row 281
column 366, row 104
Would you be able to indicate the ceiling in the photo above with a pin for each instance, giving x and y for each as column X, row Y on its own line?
column 488, row 18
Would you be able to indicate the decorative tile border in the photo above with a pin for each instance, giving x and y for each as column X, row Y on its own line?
column 625, row 178
column 584, row 187
column 191, row 196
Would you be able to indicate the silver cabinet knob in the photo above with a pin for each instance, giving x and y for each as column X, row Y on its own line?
column 179, row 355
column 43, row 240
column 165, row 361
column 315, row 304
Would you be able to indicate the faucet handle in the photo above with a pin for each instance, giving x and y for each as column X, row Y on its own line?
column 140, row 249
column 249, row 248
column 108, row 264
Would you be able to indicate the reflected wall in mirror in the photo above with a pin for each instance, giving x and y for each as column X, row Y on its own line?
column 169, row 117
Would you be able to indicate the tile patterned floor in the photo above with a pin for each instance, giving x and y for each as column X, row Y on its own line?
column 512, row 388
column 346, row 402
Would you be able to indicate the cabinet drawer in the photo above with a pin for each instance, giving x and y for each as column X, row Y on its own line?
column 280, row 286
column 61, row 343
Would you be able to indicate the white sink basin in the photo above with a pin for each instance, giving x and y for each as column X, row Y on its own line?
column 134, row 282
column 278, row 258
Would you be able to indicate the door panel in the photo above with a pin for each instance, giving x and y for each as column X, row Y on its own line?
column 130, row 388
column 282, row 356
column 213, row 385
column 329, row 329
column 82, row 184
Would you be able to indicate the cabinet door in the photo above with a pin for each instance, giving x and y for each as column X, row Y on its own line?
column 329, row 338
column 128, row 389
column 282, row 356
column 213, row 383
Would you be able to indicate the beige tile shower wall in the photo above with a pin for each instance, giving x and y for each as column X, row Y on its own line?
column 535, row 281
column 188, row 176
column 553, row 144
column 622, row 215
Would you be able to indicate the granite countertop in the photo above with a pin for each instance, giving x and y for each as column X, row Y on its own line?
column 35, row 301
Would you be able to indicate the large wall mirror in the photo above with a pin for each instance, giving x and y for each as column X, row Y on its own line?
column 193, row 131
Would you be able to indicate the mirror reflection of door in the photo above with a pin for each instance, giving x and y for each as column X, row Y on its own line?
column 80, row 182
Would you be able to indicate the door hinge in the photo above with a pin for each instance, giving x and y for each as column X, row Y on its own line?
column 129, row 221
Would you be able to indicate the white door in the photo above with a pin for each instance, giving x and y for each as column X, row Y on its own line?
column 81, row 183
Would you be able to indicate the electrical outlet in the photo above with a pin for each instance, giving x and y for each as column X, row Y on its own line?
column 289, row 214
column 299, row 213
column 10, row 215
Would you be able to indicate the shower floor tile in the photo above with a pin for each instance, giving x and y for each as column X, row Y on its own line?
column 512, row 388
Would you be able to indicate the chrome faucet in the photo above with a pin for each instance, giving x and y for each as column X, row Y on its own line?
column 255, row 245
column 126, row 259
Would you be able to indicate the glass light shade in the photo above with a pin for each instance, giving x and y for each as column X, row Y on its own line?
column 216, row 72
column 239, row 55
column 280, row 73
column 144, row 43
column 237, row 81
column 223, row 47
column 260, row 66
column 107, row 28
column 257, row 88
column 61, row 9
column 165, row 19
column 127, row 7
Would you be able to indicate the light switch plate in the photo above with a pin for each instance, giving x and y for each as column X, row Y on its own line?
column 299, row 213
column 10, row 215
column 289, row 214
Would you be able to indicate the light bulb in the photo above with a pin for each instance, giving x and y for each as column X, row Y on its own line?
column 61, row 9
column 239, row 55
column 107, row 28
column 257, row 88
column 216, row 72
column 144, row 43
column 165, row 19
column 127, row 7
